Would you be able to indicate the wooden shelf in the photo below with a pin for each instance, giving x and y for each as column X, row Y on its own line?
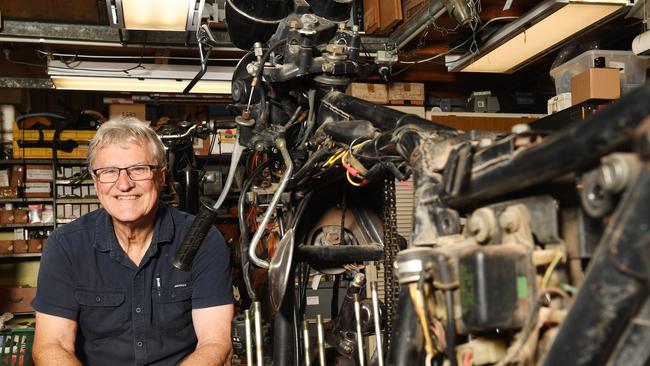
column 25, row 225
column 21, row 255
column 76, row 200
column 68, row 182
column 23, row 200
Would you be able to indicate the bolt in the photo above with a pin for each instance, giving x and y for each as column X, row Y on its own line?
column 509, row 220
column 520, row 128
column 332, row 238
column 485, row 142
column 355, row 28
column 259, row 146
column 294, row 24
column 482, row 224
column 327, row 67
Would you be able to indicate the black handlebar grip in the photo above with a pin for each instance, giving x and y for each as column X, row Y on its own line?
column 202, row 223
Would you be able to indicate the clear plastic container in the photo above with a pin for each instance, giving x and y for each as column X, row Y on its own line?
column 633, row 68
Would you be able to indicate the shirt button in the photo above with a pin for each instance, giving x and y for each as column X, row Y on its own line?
column 138, row 310
column 139, row 344
column 98, row 299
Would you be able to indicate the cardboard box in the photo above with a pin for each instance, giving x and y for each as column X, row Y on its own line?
column 227, row 140
column 38, row 173
column 117, row 111
column 375, row 93
column 8, row 192
column 16, row 299
column 38, row 190
column 4, row 177
column 371, row 17
column 17, row 176
column 202, row 146
column 406, row 93
column 411, row 7
column 390, row 15
column 34, row 245
column 595, row 83
column 20, row 246
column 6, row 246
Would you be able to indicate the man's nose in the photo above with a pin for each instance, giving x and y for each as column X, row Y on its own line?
column 123, row 180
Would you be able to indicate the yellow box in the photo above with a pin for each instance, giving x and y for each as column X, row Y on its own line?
column 82, row 137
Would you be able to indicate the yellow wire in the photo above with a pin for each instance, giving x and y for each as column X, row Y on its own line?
column 551, row 268
column 334, row 157
column 347, row 174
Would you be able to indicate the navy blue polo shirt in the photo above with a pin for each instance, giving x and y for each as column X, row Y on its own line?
column 128, row 314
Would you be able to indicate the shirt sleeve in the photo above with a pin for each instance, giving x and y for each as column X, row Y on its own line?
column 55, row 288
column 211, row 275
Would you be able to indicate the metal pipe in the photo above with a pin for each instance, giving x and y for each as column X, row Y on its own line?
column 281, row 144
column 321, row 340
column 305, row 338
column 249, row 338
column 259, row 352
column 385, row 119
column 357, row 321
column 377, row 321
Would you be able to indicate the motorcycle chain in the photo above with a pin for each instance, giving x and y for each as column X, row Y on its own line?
column 391, row 286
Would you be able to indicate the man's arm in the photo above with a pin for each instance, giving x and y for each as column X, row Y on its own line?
column 212, row 327
column 54, row 341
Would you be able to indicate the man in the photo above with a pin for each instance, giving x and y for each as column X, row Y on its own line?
column 107, row 293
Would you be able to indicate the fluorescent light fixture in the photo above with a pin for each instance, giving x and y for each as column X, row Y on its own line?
column 132, row 77
column 537, row 33
column 161, row 15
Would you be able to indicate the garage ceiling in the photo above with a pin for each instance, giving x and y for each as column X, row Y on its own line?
column 86, row 20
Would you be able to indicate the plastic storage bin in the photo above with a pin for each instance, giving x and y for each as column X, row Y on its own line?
column 632, row 68
column 16, row 347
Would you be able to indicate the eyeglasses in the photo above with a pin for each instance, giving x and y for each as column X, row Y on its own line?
column 135, row 172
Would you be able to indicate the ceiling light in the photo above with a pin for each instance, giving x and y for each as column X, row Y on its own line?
column 538, row 32
column 132, row 77
column 162, row 15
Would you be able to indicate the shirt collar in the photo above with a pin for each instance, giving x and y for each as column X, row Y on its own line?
column 105, row 238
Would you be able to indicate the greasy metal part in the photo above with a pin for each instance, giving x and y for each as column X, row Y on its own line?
column 305, row 340
column 281, row 144
column 286, row 345
column 377, row 323
column 259, row 345
column 633, row 348
column 249, row 338
column 279, row 269
column 558, row 154
column 321, row 340
column 613, row 289
column 357, row 321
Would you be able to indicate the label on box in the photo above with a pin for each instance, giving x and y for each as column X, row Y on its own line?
column 37, row 189
column 4, row 178
column 38, row 173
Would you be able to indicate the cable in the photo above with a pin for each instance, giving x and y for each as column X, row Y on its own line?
column 154, row 57
column 472, row 38
column 550, row 269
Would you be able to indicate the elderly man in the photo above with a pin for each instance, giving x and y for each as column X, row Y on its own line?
column 107, row 294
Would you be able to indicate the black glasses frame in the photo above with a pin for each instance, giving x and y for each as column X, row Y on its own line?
column 119, row 171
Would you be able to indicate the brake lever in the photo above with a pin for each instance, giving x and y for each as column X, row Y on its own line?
column 281, row 145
